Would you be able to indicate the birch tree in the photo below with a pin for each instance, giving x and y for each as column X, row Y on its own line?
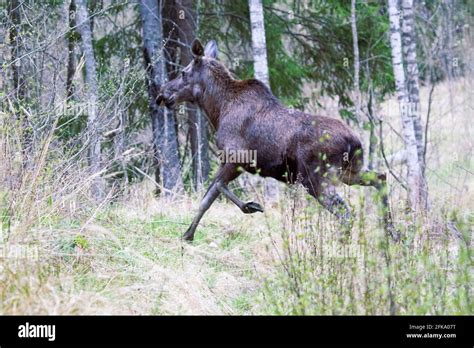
column 414, row 177
column 413, row 88
column 163, row 125
column 260, row 64
column 259, row 45
column 92, row 91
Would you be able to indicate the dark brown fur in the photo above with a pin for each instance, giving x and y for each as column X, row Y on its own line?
column 291, row 145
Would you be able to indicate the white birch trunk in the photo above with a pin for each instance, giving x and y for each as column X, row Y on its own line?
column 92, row 88
column 409, row 51
column 414, row 171
column 260, row 65
column 259, row 45
column 413, row 87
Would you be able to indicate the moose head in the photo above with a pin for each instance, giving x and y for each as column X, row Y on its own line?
column 189, row 84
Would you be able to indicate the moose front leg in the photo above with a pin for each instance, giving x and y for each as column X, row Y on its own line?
column 211, row 194
column 336, row 205
column 225, row 174
column 247, row 208
column 326, row 195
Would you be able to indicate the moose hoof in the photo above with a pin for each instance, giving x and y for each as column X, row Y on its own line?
column 188, row 236
column 252, row 207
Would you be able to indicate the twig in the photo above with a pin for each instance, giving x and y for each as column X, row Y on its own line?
column 427, row 123
column 382, row 150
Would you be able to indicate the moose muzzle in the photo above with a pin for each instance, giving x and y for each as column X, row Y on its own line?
column 164, row 100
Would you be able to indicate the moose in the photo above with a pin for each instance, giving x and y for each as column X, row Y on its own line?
column 292, row 146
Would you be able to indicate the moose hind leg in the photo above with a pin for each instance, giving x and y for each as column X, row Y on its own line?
column 247, row 208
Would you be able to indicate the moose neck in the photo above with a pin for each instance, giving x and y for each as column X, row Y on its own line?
column 216, row 95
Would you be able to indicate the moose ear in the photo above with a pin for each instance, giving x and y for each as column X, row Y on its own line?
column 211, row 49
column 197, row 48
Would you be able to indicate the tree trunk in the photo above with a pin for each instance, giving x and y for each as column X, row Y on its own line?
column 163, row 124
column 260, row 66
column 92, row 87
column 16, row 47
column 197, row 121
column 414, row 177
column 259, row 45
column 448, row 56
column 355, row 42
column 409, row 52
column 413, row 87
column 198, row 128
column 372, row 163
column 19, row 81
column 357, row 93
column 71, row 54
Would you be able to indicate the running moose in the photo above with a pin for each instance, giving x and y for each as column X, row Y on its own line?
column 292, row 146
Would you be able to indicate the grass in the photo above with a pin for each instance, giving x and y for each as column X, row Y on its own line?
column 426, row 273
column 67, row 255
column 287, row 261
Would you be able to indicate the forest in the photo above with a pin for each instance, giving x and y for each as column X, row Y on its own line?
column 99, row 180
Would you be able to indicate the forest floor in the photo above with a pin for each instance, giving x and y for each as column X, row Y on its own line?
column 126, row 256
